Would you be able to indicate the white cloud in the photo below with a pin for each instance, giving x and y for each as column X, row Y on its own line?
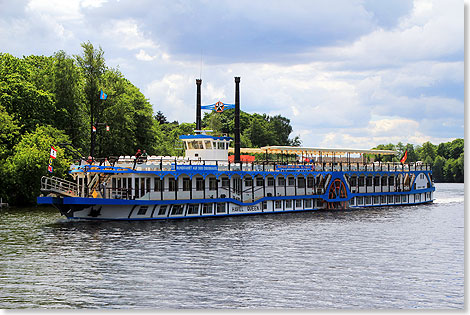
column 398, row 80
column 127, row 34
column 142, row 55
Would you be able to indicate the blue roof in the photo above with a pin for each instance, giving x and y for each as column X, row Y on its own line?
column 204, row 137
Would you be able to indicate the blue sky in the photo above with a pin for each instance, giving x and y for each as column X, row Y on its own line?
column 348, row 73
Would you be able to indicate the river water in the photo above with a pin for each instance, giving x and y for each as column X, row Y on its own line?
column 383, row 258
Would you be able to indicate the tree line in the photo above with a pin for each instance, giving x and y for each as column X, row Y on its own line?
column 447, row 158
column 51, row 100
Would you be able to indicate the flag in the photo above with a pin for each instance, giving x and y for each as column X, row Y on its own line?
column 93, row 129
column 49, row 168
column 103, row 95
column 403, row 158
column 53, row 152
column 107, row 128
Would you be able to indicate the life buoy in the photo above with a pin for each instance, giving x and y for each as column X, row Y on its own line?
column 219, row 107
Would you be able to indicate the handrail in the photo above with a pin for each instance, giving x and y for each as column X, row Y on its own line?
column 59, row 186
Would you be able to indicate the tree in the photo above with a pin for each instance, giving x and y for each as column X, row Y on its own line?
column 427, row 150
column 28, row 163
column 93, row 67
column 160, row 118
column 456, row 148
column 438, row 168
column 70, row 109
column 20, row 96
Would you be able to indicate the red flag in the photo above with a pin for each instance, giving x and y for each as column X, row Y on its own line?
column 49, row 168
column 53, row 153
column 403, row 158
column 93, row 129
column 107, row 128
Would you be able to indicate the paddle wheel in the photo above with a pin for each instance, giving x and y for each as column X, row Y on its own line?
column 337, row 191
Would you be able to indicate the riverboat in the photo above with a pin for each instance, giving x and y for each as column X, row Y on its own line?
column 205, row 182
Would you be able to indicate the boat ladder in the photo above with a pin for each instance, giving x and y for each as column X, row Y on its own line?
column 59, row 186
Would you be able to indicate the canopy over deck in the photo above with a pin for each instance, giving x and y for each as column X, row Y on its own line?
column 323, row 151
column 312, row 151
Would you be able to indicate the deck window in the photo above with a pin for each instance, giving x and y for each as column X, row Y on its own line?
column 172, row 184
column 353, row 181
column 278, row 204
column 376, row 181
column 142, row 210
column 368, row 200
column 208, row 144
column 281, row 181
column 289, row 203
column 369, row 181
column 225, row 182
column 199, row 184
column 136, row 187
column 221, row 207
column 383, row 199
column 186, row 184
column 361, row 181
column 207, row 208
column 291, row 181
column 248, row 182
column 397, row 199
column 360, row 201
column 391, row 180
column 301, row 182
column 384, row 181
column 264, row 204
column 308, row 203
column 270, row 181
column 259, row 181
column 298, row 203
column 390, row 199
column 376, row 200
column 212, row 183
column 310, row 182
column 193, row 209
column 157, row 184
column 177, row 210
column 221, row 145
column 162, row 210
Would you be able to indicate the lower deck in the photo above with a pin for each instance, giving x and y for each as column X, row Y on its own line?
column 211, row 208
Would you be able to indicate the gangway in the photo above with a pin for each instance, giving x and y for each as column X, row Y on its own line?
column 59, row 186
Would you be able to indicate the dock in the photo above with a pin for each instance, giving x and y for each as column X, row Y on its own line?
column 3, row 204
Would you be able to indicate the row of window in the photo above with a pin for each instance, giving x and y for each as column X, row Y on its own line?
column 143, row 185
column 220, row 207
column 206, row 144
column 390, row 199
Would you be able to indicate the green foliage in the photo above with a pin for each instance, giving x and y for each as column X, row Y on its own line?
column 28, row 162
column 447, row 159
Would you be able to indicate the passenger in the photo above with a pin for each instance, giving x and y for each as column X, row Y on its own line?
column 90, row 160
column 144, row 154
column 138, row 154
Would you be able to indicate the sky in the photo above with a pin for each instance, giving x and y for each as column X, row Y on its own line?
column 347, row 73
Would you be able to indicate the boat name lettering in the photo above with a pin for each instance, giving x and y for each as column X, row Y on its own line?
column 196, row 167
column 245, row 209
column 285, row 168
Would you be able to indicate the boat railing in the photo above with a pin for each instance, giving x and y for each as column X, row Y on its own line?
column 59, row 186
column 172, row 163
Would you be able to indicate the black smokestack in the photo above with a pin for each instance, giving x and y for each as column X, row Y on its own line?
column 237, row 120
column 198, row 104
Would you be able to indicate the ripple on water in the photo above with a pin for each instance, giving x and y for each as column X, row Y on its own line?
column 403, row 257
